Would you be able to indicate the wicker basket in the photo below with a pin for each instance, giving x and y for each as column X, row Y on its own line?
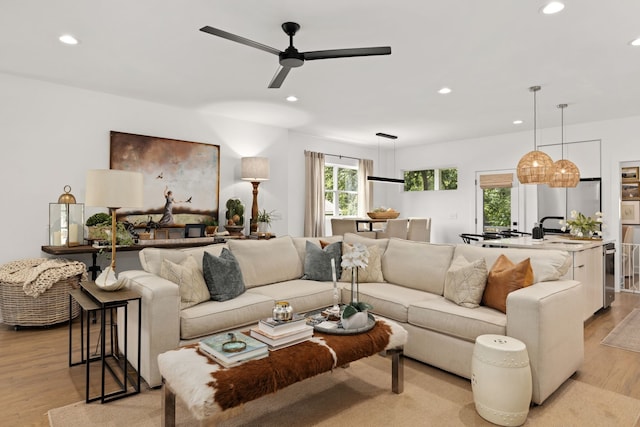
column 384, row 215
column 20, row 309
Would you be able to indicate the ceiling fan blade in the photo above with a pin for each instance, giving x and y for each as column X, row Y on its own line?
column 278, row 79
column 238, row 39
column 345, row 53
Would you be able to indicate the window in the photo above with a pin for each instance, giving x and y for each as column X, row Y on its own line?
column 431, row 179
column 340, row 190
column 498, row 202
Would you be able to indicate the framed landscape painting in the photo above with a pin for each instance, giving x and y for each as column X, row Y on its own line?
column 181, row 178
column 630, row 191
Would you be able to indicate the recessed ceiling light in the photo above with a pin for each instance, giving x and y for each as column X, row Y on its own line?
column 517, row 122
column 444, row 91
column 68, row 39
column 292, row 98
column 635, row 42
column 553, row 7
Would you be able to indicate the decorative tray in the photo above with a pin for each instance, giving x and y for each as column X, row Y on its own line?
column 333, row 327
column 383, row 215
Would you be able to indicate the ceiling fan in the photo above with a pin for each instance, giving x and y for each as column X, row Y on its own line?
column 291, row 57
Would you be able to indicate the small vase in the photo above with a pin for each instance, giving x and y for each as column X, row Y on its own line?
column 356, row 321
column 263, row 227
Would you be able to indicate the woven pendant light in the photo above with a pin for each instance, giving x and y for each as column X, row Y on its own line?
column 565, row 173
column 534, row 167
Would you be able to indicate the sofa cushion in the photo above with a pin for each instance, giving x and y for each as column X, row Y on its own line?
column 223, row 276
column 151, row 258
column 317, row 262
column 214, row 316
column 187, row 275
column 301, row 243
column 388, row 300
column 352, row 238
column 446, row 317
column 302, row 295
column 465, row 281
column 373, row 272
column 417, row 265
column 267, row 261
column 505, row 277
column 547, row 264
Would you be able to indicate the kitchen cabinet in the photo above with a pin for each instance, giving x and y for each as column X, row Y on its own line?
column 588, row 270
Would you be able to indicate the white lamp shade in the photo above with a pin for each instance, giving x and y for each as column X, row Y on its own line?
column 113, row 188
column 254, row 168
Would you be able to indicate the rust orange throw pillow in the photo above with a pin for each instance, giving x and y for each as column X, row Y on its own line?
column 505, row 277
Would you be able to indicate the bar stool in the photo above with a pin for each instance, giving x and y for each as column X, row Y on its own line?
column 501, row 379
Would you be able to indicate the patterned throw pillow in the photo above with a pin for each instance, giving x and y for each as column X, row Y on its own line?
column 222, row 275
column 373, row 272
column 465, row 281
column 193, row 289
column 506, row 277
column 317, row 261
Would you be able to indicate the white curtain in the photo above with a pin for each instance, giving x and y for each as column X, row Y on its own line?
column 314, row 194
column 365, row 195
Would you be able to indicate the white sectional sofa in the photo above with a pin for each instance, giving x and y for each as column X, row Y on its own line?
column 546, row 316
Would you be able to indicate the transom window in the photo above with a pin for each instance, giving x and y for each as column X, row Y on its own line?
column 431, row 179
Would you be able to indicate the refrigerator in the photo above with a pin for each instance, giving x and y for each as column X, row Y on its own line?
column 557, row 203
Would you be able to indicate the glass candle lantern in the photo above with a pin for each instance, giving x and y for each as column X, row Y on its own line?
column 66, row 221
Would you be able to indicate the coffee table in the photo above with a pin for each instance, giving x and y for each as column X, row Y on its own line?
column 209, row 389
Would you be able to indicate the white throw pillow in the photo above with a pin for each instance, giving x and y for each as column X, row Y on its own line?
column 465, row 281
column 187, row 275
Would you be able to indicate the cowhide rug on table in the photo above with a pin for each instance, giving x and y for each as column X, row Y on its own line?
column 208, row 389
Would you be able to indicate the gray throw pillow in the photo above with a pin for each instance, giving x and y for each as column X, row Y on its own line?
column 222, row 275
column 317, row 261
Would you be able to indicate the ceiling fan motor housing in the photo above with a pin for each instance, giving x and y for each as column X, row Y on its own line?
column 291, row 58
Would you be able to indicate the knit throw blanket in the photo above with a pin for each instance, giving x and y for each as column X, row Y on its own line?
column 38, row 274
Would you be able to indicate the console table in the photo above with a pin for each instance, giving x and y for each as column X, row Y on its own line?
column 94, row 251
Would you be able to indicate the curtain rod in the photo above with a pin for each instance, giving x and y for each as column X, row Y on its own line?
column 341, row 156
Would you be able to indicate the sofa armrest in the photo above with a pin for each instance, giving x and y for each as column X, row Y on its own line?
column 547, row 318
column 160, row 321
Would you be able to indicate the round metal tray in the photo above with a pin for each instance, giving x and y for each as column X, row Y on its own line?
column 371, row 322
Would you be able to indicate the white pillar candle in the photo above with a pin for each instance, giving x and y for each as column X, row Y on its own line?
column 73, row 233
column 57, row 240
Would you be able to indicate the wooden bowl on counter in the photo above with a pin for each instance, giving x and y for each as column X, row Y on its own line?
column 384, row 215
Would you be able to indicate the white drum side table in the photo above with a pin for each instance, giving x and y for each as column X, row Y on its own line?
column 501, row 379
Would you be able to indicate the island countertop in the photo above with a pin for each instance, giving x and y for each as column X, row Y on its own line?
column 549, row 242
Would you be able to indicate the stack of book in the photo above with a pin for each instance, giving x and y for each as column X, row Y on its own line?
column 252, row 350
column 278, row 334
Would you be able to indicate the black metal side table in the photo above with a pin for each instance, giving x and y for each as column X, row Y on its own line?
column 92, row 299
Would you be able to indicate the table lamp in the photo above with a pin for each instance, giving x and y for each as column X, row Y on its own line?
column 113, row 189
column 255, row 170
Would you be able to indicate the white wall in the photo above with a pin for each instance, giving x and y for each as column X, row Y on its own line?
column 52, row 134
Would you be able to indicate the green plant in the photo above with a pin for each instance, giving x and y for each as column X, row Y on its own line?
column 583, row 226
column 235, row 212
column 358, row 257
column 100, row 218
column 210, row 221
column 264, row 216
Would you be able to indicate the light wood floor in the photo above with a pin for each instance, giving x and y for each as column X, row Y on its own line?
column 35, row 377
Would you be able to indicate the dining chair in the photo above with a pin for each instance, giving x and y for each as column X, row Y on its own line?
column 395, row 228
column 339, row 226
column 419, row 229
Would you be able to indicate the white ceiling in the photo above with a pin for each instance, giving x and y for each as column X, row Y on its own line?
column 488, row 52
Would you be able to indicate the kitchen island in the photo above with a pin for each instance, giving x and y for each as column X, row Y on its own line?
column 587, row 267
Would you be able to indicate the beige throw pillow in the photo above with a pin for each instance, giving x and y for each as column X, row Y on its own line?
column 187, row 275
column 465, row 282
column 371, row 274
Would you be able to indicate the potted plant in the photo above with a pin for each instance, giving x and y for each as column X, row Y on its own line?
column 98, row 224
column 264, row 220
column 355, row 314
column 211, row 225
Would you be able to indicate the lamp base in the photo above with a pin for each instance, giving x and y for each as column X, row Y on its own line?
column 107, row 280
